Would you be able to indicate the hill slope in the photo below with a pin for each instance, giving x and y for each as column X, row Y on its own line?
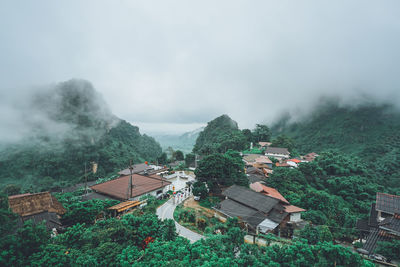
column 220, row 135
column 74, row 127
column 370, row 131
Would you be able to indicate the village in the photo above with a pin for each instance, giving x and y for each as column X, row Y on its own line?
column 261, row 211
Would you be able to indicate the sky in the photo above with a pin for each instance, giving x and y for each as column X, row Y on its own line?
column 172, row 66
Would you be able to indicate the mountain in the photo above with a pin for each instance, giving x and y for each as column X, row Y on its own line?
column 369, row 131
column 70, row 125
column 220, row 135
column 184, row 142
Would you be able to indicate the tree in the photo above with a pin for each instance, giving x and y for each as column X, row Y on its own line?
column 218, row 169
column 162, row 159
column 283, row 141
column 178, row 155
column 389, row 249
column 200, row 189
column 261, row 133
column 248, row 134
column 189, row 159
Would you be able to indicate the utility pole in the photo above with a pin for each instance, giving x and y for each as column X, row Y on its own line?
column 130, row 180
column 86, row 191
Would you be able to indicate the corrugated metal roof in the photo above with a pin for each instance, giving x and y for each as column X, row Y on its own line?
column 388, row 203
column 250, row 198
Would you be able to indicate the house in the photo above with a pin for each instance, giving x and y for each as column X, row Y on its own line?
column 310, row 156
column 37, row 207
column 384, row 221
column 277, row 152
column 257, row 212
column 283, row 164
column 143, row 168
column 295, row 212
column 141, row 185
column 264, row 144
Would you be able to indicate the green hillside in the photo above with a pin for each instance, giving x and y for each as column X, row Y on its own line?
column 369, row 131
column 220, row 135
column 50, row 157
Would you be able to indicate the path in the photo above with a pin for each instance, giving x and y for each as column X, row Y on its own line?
column 166, row 211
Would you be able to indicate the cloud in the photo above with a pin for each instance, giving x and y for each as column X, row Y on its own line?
column 175, row 62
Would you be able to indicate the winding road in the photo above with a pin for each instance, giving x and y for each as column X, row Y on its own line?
column 166, row 211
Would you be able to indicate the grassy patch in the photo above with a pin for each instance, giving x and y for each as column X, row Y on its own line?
column 209, row 202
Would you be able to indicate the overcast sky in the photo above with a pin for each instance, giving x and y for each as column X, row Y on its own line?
column 174, row 65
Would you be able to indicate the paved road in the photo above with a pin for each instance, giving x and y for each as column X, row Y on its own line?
column 166, row 211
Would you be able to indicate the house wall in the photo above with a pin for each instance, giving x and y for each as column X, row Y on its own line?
column 152, row 193
column 277, row 156
column 295, row 217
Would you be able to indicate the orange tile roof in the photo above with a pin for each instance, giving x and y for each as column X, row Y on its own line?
column 292, row 209
column 294, row 160
column 268, row 191
column 118, row 188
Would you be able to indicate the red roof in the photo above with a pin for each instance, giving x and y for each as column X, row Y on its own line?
column 268, row 191
column 118, row 188
column 283, row 164
column 294, row 160
column 292, row 209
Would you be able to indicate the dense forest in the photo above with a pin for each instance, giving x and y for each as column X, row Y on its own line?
column 75, row 128
column 370, row 132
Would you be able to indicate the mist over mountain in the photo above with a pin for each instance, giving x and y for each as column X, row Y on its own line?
column 183, row 142
column 61, row 128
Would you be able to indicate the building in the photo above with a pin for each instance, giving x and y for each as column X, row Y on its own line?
column 277, row 152
column 37, row 207
column 257, row 212
column 141, row 185
column 143, row 168
column 310, row 156
column 264, row 144
column 295, row 212
column 384, row 221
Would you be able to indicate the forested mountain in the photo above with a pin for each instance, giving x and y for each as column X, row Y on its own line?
column 220, row 135
column 369, row 131
column 70, row 125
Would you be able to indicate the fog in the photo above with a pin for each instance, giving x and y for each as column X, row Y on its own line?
column 168, row 66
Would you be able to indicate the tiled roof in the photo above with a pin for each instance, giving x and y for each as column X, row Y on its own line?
column 263, row 159
column 388, row 203
column 268, row 191
column 283, row 164
column 118, row 188
column 263, row 144
column 292, row 209
column 277, row 150
column 255, row 178
column 250, row 198
column 294, row 160
column 29, row 204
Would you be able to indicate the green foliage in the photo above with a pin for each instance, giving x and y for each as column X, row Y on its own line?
column 335, row 189
column 85, row 211
column 29, row 239
column 178, row 155
column 316, row 234
column 220, row 135
column 283, row 141
column 390, row 250
column 200, row 189
column 48, row 161
column 189, row 159
column 163, row 158
column 369, row 131
column 261, row 133
column 224, row 170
